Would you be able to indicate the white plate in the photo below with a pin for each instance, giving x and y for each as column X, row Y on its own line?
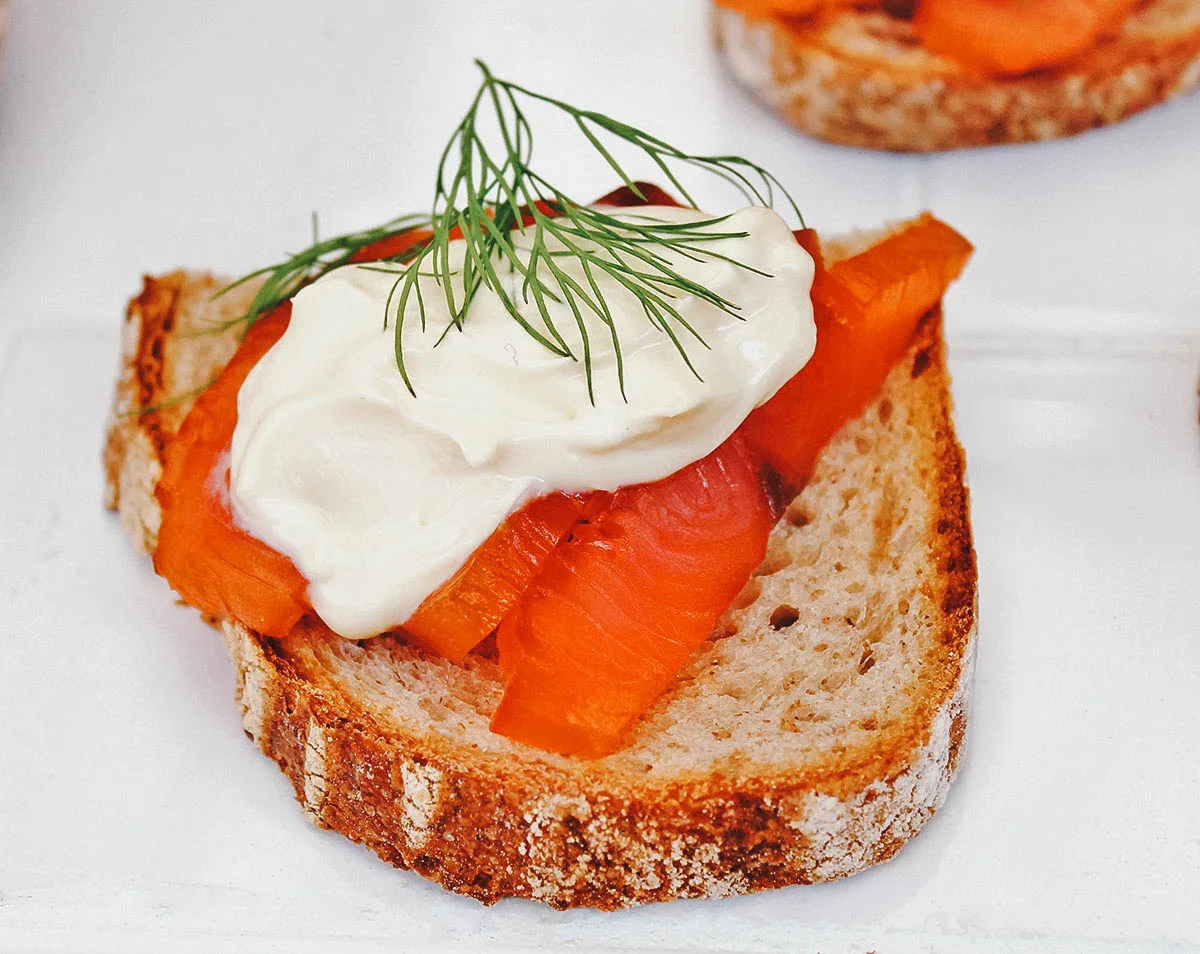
column 136, row 816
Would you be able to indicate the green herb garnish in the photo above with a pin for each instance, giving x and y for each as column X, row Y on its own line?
column 486, row 194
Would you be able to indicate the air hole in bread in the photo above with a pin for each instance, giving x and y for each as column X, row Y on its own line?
column 866, row 661
column 862, row 445
column 820, row 647
column 920, row 363
column 798, row 515
column 784, row 616
column 885, row 410
column 834, row 681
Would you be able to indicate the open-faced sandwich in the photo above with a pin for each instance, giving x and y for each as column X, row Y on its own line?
column 919, row 75
column 592, row 553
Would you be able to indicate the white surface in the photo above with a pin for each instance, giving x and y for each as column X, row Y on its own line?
column 135, row 816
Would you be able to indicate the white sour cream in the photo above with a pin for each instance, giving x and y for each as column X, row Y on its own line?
column 379, row 496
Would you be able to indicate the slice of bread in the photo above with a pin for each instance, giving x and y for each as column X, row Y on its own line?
column 816, row 732
column 860, row 77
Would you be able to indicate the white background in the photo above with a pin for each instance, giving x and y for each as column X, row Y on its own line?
column 141, row 135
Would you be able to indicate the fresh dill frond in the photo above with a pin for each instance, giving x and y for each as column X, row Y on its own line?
column 286, row 278
column 485, row 193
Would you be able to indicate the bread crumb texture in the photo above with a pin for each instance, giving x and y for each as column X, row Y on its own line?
column 860, row 77
column 813, row 735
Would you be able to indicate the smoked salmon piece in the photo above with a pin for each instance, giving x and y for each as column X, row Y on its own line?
column 232, row 573
column 623, row 602
column 465, row 609
column 866, row 308
column 397, row 244
column 1015, row 36
column 626, row 197
column 391, row 246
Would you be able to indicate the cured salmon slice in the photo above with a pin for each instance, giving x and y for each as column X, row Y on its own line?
column 465, row 609
column 230, row 573
column 623, row 602
column 1014, row 36
column 866, row 308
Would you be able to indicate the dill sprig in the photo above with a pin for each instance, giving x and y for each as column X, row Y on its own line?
column 288, row 277
column 484, row 194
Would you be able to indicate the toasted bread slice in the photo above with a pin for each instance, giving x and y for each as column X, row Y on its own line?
column 860, row 77
column 814, row 734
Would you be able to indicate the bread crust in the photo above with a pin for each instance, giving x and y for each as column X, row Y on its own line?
column 860, row 78
column 175, row 339
column 518, row 822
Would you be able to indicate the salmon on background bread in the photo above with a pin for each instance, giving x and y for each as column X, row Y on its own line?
column 813, row 734
column 922, row 75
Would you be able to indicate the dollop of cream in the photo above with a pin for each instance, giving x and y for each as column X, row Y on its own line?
column 378, row 496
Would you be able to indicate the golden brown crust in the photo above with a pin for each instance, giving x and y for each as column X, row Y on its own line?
column 516, row 822
column 173, row 341
column 860, row 78
column 136, row 439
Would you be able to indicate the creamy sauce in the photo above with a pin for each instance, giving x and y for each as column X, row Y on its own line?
column 379, row 496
